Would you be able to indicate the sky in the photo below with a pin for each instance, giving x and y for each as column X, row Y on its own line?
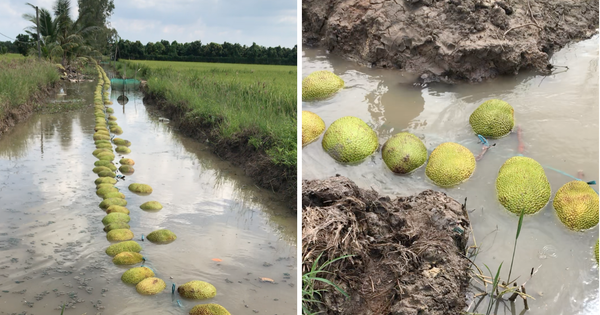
column 268, row 23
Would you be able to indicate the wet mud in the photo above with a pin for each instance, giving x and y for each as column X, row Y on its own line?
column 449, row 41
column 15, row 115
column 407, row 252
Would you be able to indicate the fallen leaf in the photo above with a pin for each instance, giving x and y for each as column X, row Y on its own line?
column 217, row 259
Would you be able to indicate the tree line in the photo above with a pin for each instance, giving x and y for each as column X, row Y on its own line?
column 212, row 52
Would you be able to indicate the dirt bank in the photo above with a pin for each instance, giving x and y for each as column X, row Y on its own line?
column 14, row 115
column 407, row 251
column 255, row 163
column 450, row 40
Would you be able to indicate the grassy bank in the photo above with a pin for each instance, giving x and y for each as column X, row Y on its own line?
column 254, row 104
column 21, row 79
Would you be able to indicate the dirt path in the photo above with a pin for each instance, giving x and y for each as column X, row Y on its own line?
column 451, row 40
column 407, row 251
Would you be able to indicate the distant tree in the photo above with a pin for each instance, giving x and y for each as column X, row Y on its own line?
column 23, row 44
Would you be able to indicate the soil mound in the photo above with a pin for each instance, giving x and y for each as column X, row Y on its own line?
column 450, row 40
column 407, row 251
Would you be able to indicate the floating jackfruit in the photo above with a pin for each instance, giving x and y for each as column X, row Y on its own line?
column 522, row 184
column 151, row 205
column 209, row 309
column 102, row 142
column 106, row 173
column 112, row 201
column 127, row 246
column 493, row 119
column 116, row 130
column 101, row 136
column 115, row 226
column 576, row 205
column 150, row 286
column 125, row 161
column 312, row 127
column 136, row 274
column 119, row 209
column 450, row 164
column 115, row 217
column 98, row 169
column 163, row 236
column 123, row 149
column 140, row 188
column 127, row 258
column 105, row 180
column 104, row 189
column 119, row 141
column 104, row 146
column 119, row 235
column 349, row 139
column 320, row 84
column 404, row 153
column 114, row 194
column 198, row 290
column 110, row 110
column 126, row 169
column 111, row 117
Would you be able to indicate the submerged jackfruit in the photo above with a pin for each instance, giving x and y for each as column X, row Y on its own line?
column 209, row 309
column 127, row 258
column 125, row 161
column 450, row 164
column 105, row 180
column 127, row 246
column 320, row 84
column 576, row 205
column 112, row 201
column 349, row 139
column 115, row 208
column 136, row 274
column 493, row 119
column 119, row 141
column 140, row 188
column 119, row 235
column 123, row 149
column 196, row 289
column 312, row 127
column 522, row 184
column 114, row 194
column 404, row 153
column 150, row 286
column 151, row 205
column 116, row 225
column 115, row 217
column 163, row 236
column 126, row 169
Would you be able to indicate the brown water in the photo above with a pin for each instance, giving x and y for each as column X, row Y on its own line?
column 559, row 117
column 51, row 238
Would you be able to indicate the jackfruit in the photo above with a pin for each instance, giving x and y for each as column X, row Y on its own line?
column 196, row 289
column 126, row 169
column 98, row 169
column 127, row 258
column 150, row 286
column 115, row 217
column 450, row 164
column 119, row 235
column 113, row 194
column 123, row 149
column 105, row 180
column 136, row 274
column 522, row 184
column 151, row 205
column 312, row 127
column 349, row 139
column 119, row 141
column 104, row 189
column 112, row 201
column 119, row 209
column 404, row 153
column 163, row 236
column 209, row 309
column 596, row 252
column 140, row 188
column 125, row 161
column 115, row 226
column 105, row 173
column 127, row 246
column 320, row 84
column 493, row 119
column 104, row 146
column 576, row 205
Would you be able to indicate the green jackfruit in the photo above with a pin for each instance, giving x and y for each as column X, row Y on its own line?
column 209, row 309
column 150, row 286
column 119, row 235
column 123, row 149
column 104, row 146
column 119, row 209
column 105, row 173
column 522, row 184
column 127, row 258
column 110, row 110
column 115, row 217
column 104, row 189
column 119, row 141
column 98, row 169
column 450, row 164
column 113, row 194
column 404, row 153
column 101, row 136
column 493, row 119
column 151, row 205
column 349, row 139
column 98, row 151
column 126, row 169
column 312, row 127
column 127, row 246
column 576, row 205
column 163, row 236
column 112, row 201
column 125, row 161
column 140, row 188
column 116, row 130
column 198, row 290
column 596, row 252
column 111, row 117
column 105, row 180
column 136, row 274
column 102, row 142
column 115, row 226
column 320, row 84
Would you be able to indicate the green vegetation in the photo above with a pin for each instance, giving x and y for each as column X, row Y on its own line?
column 493, row 119
column 252, row 103
column 349, row 140
column 576, row 205
column 404, row 153
column 450, row 164
column 312, row 127
column 310, row 294
column 522, row 185
column 320, row 84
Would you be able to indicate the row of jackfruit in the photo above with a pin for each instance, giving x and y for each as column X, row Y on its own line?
column 521, row 183
column 127, row 252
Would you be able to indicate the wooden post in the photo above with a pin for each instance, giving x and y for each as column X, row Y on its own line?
column 37, row 18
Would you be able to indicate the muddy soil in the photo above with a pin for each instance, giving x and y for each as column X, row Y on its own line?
column 255, row 163
column 452, row 40
column 407, row 251
column 23, row 111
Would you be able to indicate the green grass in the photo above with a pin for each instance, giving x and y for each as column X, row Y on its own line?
column 9, row 57
column 20, row 78
column 310, row 295
column 255, row 100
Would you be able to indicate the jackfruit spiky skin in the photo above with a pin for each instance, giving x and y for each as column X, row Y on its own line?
column 450, row 164
column 493, row 119
column 196, row 289
column 127, row 258
column 209, row 309
column 349, row 139
column 576, row 205
column 127, row 246
column 404, row 153
column 119, row 235
column 150, row 286
column 522, row 184
column 312, row 127
column 163, row 236
column 320, row 84
column 136, row 274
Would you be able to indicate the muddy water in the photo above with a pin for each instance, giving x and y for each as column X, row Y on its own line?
column 51, row 238
column 559, row 117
